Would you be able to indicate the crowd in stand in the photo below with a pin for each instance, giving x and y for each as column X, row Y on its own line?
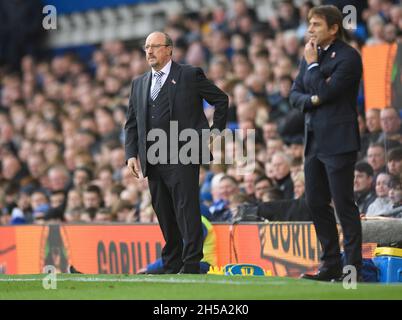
column 61, row 121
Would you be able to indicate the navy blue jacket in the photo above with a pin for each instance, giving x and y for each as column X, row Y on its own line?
column 336, row 82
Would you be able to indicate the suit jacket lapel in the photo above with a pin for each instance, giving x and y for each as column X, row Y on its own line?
column 336, row 45
column 146, row 84
column 173, row 80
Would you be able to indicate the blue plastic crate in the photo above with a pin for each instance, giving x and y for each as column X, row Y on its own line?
column 389, row 268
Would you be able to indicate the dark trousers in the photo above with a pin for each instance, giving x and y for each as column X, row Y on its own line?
column 329, row 177
column 175, row 199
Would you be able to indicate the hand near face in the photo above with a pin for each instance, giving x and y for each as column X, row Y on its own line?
column 310, row 52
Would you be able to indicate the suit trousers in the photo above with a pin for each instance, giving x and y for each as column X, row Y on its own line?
column 175, row 199
column 331, row 177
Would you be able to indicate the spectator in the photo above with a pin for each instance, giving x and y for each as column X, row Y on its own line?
column 148, row 215
column 395, row 192
column 12, row 170
column 103, row 215
column 82, row 177
column 376, row 28
column 59, row 178
column 296, row 167
column 40, row 206
column 123, row 212
column 112, row 196
column 280, row 100
column 249, row 184
column 298, row 185
column 92, row 200
column 262, row 185
column 106, row 126
column 58, row 201
column 74, row 200
column 362, row 187
column 376, row 158
column 281, row 166
column 272, row 194
column 270, row 130
column 295, row 150
column 36, row 168
column 274, row 145
column 394, row 162
column 105, row 178
column 373, row 125
column 24, row 208
column 220, row 208
column 390, row 124
column 382, row 203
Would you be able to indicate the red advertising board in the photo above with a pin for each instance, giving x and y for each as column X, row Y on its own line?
column 287, row 249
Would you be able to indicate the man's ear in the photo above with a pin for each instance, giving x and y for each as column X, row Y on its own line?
column 334, row 29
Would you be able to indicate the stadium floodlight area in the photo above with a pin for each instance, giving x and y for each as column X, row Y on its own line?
column 122, row 22
column 95, row 21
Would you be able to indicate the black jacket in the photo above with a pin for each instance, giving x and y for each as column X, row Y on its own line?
column 336, row 82
column 187, row 87
column 285, row 210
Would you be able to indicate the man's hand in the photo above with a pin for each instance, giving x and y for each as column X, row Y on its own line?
column 310, row 52
column 132, row 163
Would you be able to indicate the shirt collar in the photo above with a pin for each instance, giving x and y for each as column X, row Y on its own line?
column 326, row 48
column 165, row 69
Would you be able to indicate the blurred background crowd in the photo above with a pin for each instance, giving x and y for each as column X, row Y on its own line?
column 62, row 116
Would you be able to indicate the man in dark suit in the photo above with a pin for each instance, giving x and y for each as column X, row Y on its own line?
column 171, row 92
column 326, row 91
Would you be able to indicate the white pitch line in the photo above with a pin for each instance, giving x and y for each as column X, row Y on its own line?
column 171, row 280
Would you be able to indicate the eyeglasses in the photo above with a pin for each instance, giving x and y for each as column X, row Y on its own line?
column 154, row 46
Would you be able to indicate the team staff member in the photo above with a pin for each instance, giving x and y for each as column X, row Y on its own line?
column 172, row 92
column 326, row 91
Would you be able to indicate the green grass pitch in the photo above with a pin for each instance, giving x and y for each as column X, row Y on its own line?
column 186, row 287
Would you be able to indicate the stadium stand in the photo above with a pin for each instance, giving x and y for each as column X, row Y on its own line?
column 63, row 105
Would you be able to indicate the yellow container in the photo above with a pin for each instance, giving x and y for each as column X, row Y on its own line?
column 388, row 251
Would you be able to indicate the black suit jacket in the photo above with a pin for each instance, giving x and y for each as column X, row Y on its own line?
column 336, row 82
column 187, row 87
column 285, row 210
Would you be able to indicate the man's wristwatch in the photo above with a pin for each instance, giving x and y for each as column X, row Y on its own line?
column 315, row 100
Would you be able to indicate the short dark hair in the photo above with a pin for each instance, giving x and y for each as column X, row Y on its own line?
column 85, row 169
column 274, row 194
column 56, row 192
column 395, row 183
column 262, row 178
column 364, row 167
column 395, row 154
column 92, row 188
column 331, row 15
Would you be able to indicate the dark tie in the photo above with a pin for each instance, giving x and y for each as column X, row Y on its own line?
column 158, row 84
column 321, row 53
